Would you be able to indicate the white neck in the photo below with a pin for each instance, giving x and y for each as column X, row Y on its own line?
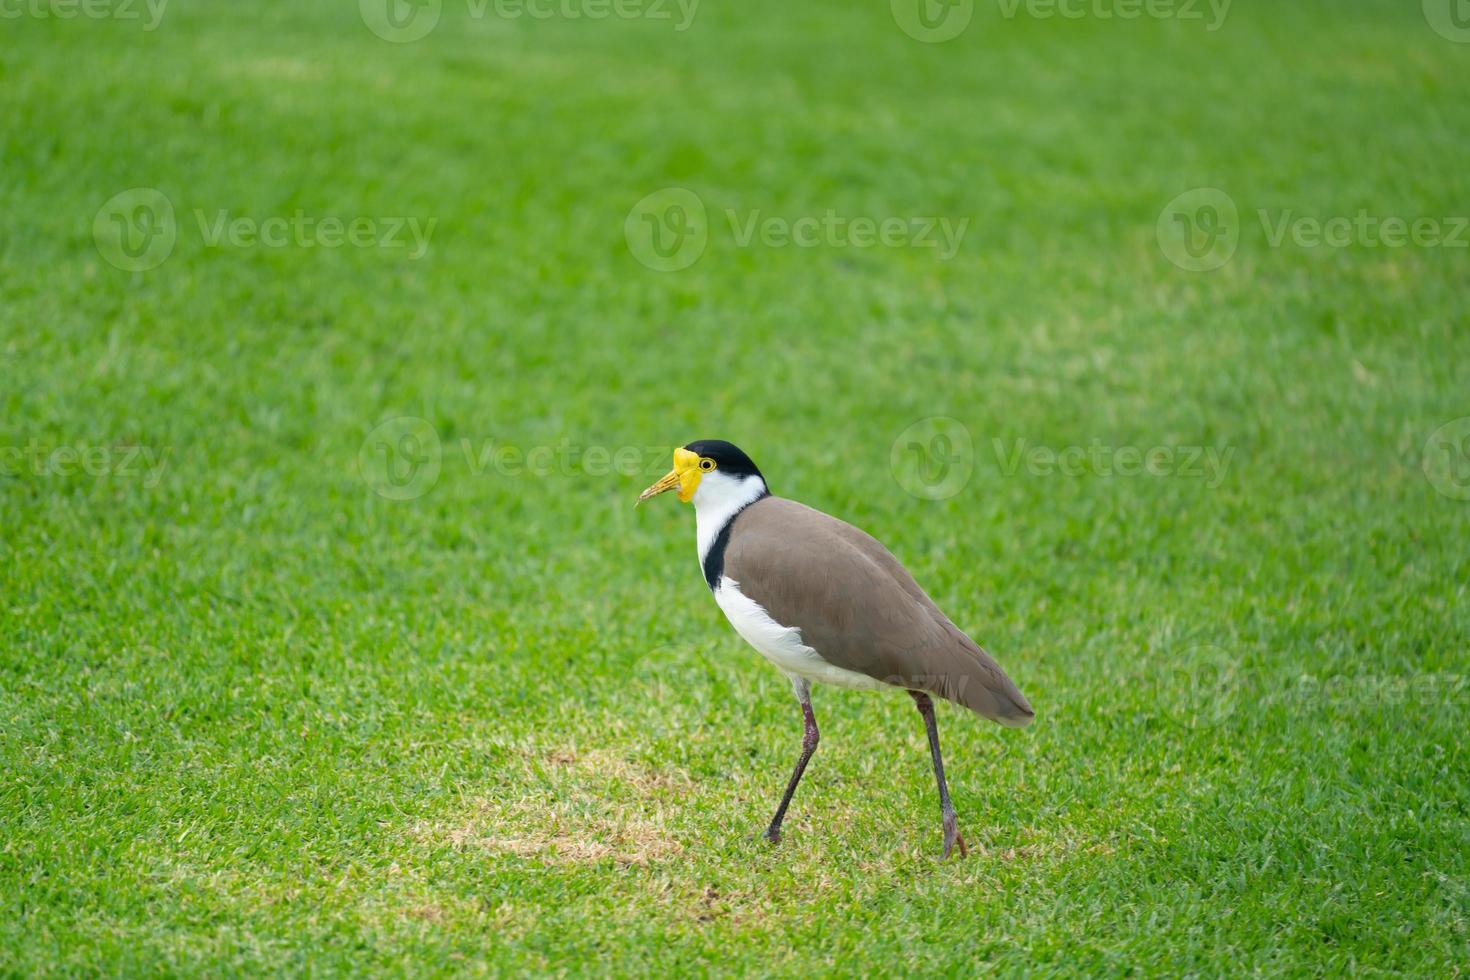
column 718, row 499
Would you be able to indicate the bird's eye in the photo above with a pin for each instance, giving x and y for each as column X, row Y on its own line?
column 706, row 464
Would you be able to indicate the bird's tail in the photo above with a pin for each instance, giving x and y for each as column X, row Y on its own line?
column 989, row 692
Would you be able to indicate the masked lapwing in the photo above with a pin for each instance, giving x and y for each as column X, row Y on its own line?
column 826, row 602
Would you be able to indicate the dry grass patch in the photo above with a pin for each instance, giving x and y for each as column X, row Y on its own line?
column 574, row 807
column 1042, row 845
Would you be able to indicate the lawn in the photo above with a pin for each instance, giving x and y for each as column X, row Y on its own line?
column 331, row 366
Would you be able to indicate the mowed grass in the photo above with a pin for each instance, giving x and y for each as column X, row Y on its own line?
column 256, row 716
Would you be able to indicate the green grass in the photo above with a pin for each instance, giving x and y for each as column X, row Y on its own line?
column 255, row 716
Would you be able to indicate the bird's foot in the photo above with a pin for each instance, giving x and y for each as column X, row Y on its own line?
column 952, row 836
column 772, row 835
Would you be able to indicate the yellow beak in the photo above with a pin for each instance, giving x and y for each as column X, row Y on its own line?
column 684, row 476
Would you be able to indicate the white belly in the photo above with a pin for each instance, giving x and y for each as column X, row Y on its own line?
column 782, row 645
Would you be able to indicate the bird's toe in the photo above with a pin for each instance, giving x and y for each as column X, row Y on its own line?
column 953, row 837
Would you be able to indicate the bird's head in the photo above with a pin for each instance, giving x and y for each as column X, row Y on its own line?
column 710, row 471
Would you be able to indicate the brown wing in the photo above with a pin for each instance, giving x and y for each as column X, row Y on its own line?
column 860, row 609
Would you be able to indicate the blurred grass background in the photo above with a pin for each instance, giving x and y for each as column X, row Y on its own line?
column 255, row 716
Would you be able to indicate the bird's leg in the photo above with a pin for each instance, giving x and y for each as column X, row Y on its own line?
column 946, row 808
column 809, row 742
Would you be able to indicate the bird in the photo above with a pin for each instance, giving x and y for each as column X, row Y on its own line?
column 828, row 604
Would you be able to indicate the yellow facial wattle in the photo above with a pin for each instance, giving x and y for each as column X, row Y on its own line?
column 686, row 465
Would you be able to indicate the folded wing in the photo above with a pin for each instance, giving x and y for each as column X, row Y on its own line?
column 860, row 609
